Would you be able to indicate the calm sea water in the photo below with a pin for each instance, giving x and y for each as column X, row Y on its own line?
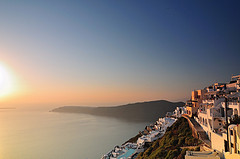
column 48, row 135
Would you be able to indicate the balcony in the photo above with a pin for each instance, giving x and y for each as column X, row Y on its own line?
column 233, row 103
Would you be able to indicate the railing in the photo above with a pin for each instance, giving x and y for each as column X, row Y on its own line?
column 194, row 130
column 233, row 103
column 208, row 100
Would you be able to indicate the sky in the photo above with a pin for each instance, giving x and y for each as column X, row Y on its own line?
column 101, row 53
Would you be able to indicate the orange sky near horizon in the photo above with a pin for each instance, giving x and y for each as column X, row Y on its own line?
column 52, row 95
column 30, row 89
column 112, row 53
column 35, row 86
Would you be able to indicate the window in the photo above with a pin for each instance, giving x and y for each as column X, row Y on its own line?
column 226, row 146
column 231, row 144
column 231, row 132
column 220, row 124
column 235, row 112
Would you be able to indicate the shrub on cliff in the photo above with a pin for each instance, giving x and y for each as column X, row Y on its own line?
column 172, row 153
column 176, row 136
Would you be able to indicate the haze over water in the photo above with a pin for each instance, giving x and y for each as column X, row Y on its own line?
column 42, row 134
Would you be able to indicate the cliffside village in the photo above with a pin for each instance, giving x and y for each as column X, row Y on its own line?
column 215, row 111
column 213, row 114
column 149, row 134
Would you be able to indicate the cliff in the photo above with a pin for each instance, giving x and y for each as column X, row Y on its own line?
column 174, row 144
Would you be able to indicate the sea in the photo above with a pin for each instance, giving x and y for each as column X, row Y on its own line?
column 40, row 134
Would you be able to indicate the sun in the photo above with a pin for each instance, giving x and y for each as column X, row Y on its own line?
column 5, row 81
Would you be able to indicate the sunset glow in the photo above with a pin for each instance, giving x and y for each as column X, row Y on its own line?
column 112, row 53
column 6, row 81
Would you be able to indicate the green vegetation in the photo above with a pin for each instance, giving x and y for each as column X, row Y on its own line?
column 169, row 146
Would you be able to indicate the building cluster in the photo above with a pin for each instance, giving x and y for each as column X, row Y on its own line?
column 216, row 108
column 149, row 134
column 155, row 131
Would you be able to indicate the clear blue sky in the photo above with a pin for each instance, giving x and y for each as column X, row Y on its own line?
column 160, row 49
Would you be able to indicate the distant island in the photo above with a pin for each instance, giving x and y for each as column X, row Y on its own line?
column 141, row 112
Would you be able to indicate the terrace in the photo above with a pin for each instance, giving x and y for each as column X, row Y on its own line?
column 200, row 155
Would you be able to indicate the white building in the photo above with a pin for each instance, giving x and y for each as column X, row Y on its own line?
column 212, row 111
column 179, row 111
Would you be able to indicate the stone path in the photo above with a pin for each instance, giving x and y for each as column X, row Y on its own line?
column 202, row 135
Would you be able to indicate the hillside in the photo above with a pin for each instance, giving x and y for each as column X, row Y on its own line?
column 171, row 145
column 145, row 111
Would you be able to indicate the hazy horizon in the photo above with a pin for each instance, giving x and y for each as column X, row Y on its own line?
column 105, row 53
